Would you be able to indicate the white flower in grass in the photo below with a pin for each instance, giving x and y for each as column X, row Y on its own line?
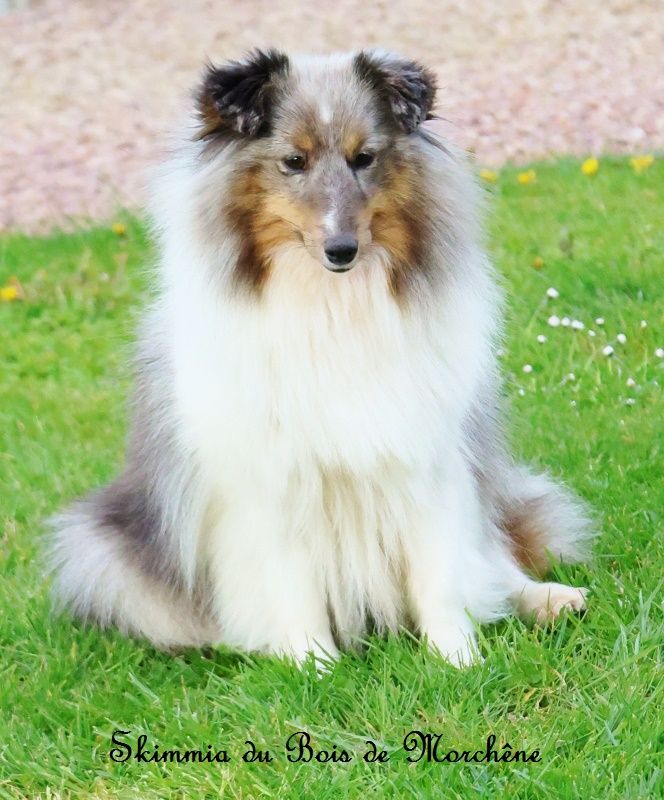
column 573, row 403
column 630, row 401
column 565, row 322
column 608, row 350
column 578, row 325
column 552, row 293
column 541, row 338
column 522, row 392
column 621, row 338
column 599, row 321
column 630, row 382
column 659, row 352
column 527, row 368
column 591, row 332
column 644, row 324
column 553, row 321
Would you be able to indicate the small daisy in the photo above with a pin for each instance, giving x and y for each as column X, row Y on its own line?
column 577, row 325
column 630, row 382
column 621, row 338
column 659, row 352
column 644, row 324
column 630, row 401
column 599, row 321
column 541, row 338
column 565, row 322
column 572, row 403
column 591, row 332
column 527, row 368
column 552, row 293
column 608, row 350
column 553, row 321
column 521, row 392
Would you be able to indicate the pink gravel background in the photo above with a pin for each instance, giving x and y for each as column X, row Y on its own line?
column 88, row 89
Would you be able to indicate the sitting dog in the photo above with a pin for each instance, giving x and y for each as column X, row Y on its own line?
column 316, row 448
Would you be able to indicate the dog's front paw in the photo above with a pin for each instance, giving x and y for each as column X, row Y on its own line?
column 300, row 648
column 455, row 645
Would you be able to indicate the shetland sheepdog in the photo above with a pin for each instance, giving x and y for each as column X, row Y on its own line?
column 316, row 447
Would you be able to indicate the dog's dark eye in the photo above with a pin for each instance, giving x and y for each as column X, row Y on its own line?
column 295, row 162
column 362, row 160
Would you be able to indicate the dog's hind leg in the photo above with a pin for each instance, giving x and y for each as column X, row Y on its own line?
column 536, row 521
column 543, row 602
column 97, row 578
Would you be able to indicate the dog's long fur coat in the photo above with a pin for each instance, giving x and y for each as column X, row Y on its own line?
column 313, row 453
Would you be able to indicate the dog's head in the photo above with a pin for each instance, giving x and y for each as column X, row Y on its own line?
column 323, row 156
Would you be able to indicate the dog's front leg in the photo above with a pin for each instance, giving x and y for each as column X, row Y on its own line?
column 442, row 561
column 267, row 595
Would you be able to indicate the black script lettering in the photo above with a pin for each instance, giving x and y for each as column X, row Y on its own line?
column 140, row 755
column 373, row 754
column 425, row 743
column 491, row 754
column 123, row 751
column 251, row 755
column 299, row 750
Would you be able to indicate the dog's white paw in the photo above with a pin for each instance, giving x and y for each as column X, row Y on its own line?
column 300, row 648
column 546, row 601
column 455, row 645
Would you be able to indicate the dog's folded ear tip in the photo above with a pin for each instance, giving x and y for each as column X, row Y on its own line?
column 236, row 96
column 409, row 88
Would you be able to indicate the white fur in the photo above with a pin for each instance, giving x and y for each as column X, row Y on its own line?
column 328, row 424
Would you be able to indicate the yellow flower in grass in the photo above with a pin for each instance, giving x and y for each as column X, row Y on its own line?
column 529, row 176
column 538, row 262
column 488, row 175
column 119, row 228
column 641, row 163
column 8, row 293
column 590, row 167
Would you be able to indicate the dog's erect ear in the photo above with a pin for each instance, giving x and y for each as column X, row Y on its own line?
column 407, row 88
column 238, row 96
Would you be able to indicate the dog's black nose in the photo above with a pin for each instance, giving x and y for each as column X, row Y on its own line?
column 340, row 251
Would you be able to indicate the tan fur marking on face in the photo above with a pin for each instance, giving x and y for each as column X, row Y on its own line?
column 263, row 221
column 305, row 136
column 353, row 142
column 398, row 225
column 304, row 142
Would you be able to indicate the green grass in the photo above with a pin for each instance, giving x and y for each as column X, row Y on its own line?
column 587, row 694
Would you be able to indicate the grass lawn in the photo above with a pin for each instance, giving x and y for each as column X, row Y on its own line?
column 587, row 694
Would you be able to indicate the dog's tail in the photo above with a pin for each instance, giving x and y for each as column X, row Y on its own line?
column 544, row 521
column 96, row 576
